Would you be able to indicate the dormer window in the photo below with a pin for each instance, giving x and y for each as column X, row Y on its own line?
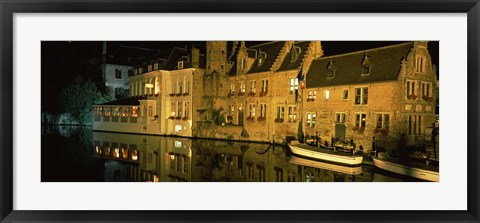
column 295, row 53
column 330, row 70
column 366, row 69
column 365, row 65
column 262, row 58
column 180, row 65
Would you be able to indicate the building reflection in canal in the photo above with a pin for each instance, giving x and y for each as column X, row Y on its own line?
column 130, row 157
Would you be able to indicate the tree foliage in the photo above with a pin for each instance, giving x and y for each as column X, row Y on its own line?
column 78, row 97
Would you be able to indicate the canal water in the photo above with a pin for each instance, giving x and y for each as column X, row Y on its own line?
column 78, row 154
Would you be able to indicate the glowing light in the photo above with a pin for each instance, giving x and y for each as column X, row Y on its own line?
column 327, row 94
column 134, row 155
column 149, row 85
column 172, row 156
column 178, row 144
column 116, row 153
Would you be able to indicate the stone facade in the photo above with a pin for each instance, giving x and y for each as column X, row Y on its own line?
column 390, row 101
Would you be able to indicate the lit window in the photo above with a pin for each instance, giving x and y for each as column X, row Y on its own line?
column 360, row 120
column 293, row 85
column 252, row 110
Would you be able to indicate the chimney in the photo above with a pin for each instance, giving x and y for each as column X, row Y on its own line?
column 195, row 57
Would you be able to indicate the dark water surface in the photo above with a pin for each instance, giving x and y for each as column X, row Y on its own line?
column 78, row 154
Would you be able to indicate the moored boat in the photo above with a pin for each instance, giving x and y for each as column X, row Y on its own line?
column 344, row 158
column 412, row 169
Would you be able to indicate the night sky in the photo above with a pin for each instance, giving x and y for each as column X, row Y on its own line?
column 63, row 60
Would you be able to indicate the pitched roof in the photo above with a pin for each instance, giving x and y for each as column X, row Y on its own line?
column 174, row 57
column 125, row 101
column 130, row 55
column 385, row 64
column 293, row 61
column 272, row 49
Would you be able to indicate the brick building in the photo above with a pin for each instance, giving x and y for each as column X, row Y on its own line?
column 387, row 94
column 258, row 86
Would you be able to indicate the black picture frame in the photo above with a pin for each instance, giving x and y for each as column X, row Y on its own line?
column 9, row 7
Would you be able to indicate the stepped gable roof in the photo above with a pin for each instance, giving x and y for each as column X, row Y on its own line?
column 233, row 70
column 130, row 55
column 293, row 60
column 385, row 64
column 272, row 49
column 134, row 101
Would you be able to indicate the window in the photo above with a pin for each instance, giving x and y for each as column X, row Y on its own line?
column 172, row 109
column 293, row 85
column 280, row 112
column 360, row 120
column 383, row 121
column 180, row 87
column 242, row 64
column 180, row 65
column 411, row 90
column 232, row 89
column 186, row 110
column 365, row 69
column 253, row 86
column 327, row 94
column 361, row 96
column 180, row 109
column 311, row 119
column 345, row 94
column 134, row 111
column 251, row 110
column 292, row 113
column 419, row 64
column 414, row 124
column 179, row 162
column 365, row 65
column 340, row 117
column 278, row 174
column 242, row 87
column 330, row 70
column 172, row 161
column 117, row 92
column 157, row 86
column 265, row 86
column 187, row 86
column 263, row 110
column 150, row 111
column 186, row 161
column 118, row 74
column 312, row 94
column 174, row 87
column 99, row 111
column 426, row 89
column 155, row 66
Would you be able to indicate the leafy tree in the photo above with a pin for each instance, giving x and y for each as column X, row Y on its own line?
column 78, row 97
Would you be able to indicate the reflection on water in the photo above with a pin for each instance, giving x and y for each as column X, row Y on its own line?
column 80, row 154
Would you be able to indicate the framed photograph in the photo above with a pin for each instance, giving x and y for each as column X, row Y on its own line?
column 200, row 111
